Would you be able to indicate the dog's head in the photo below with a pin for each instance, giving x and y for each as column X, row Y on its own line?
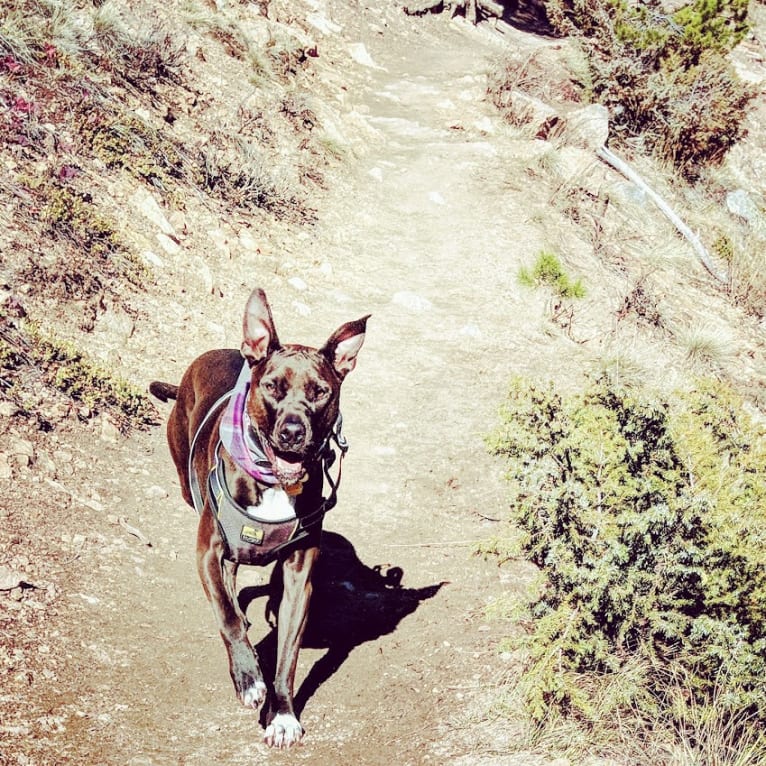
column 293, row 401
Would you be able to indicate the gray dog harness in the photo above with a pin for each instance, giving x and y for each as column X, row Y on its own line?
column 256, row 534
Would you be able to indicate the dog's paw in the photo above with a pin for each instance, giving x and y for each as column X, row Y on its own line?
column 283, row 731
column 254, row 695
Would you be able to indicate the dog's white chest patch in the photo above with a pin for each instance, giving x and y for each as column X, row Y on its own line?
column 276, row 505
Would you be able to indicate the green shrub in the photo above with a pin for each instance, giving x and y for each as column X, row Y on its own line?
column 710, row 25
column 71, row 372
column 123, row 140
column 25, row 350
column 73, row 216
column 548, row 271
column 647, row 520
column 94, row 255
column 664, row 77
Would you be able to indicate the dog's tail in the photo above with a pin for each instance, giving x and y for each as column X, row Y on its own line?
column 163, row 391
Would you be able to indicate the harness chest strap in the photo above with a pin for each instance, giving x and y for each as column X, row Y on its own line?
column 248, row 540
column 253, row 540
column 194, row 487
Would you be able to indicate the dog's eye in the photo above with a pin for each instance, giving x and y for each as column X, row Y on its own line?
column 270, row 387
column 318, row 393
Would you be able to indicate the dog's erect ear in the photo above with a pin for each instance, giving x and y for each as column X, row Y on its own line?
column 259, row 338
column 344, row 344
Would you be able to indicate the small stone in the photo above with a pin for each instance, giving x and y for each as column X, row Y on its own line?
column 94, row 505
column 9, row 579
column 19, row 446
column 322, row 23
column 178, row 222
column 741, row 203
column 57, row 411
column 436, row 198
column 220, row 240
column 168, row 244
column 625, row 192
column 361, row 55
column 587, row 128
column 248, row 242
column 412, row 301
column 92, row 600
column 152, row 259
column 485, row 125
column 148, row 206
column 204, row 273
column 116, row 322
column 109, row 431
column 216, row 329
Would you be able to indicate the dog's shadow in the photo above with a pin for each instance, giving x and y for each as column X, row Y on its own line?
column 351, row 604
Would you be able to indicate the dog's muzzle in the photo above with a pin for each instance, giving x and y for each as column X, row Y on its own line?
column 290, row 474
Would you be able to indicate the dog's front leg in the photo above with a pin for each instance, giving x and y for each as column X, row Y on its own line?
column 284, row 729
column 218, row 581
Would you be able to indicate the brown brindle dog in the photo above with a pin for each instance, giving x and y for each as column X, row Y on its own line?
column 259, row 492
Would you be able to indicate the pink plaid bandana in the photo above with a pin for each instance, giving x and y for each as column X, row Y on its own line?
column 235, row 433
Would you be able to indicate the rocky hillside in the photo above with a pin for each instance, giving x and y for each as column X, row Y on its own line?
column 158, row 161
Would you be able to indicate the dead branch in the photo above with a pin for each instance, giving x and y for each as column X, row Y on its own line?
column 622, row 167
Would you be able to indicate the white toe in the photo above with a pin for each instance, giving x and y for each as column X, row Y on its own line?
column 283, row 731
column 254, row 695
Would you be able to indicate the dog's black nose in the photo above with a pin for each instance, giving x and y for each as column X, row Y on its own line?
column 292, row 433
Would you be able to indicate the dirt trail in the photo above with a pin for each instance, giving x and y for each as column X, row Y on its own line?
column 424, row 236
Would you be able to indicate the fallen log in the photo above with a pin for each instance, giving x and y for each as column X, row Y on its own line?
column 472, row 9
